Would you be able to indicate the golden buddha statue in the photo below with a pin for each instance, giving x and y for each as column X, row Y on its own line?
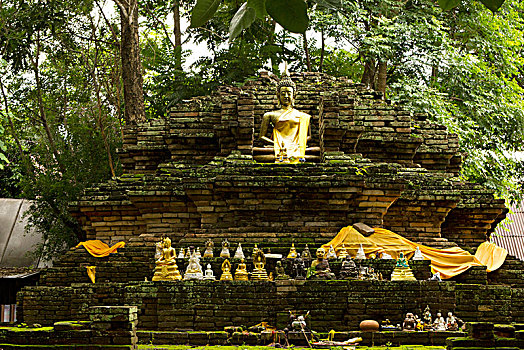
column 291, row 128
column 259, row 261
column 226, row 271
column 166, row 268
column 241, row 273
column 292, row 252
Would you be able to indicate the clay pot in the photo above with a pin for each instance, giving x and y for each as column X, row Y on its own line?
column 369, row 326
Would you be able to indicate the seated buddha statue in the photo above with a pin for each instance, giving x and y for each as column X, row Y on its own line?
column 320, row 267
column 241, row 273
column 166, row 268
column 291, row 128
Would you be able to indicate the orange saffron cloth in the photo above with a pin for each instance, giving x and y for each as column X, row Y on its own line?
column 99, row 249
column 449, row 262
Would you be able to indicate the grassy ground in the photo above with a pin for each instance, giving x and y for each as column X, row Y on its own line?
column 240, row 347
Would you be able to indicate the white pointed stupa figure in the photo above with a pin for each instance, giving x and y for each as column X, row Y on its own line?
column 418, row 255
column 331, row 253
column 197, row 252
column 239, row 254
column 386, row 256
column 181, row 253
column 208, row 274
column 360, row 253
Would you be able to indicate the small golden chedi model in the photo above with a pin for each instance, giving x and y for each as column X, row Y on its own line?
column 166, row 268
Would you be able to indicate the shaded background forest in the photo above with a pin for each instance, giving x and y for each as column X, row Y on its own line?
column 62, row 89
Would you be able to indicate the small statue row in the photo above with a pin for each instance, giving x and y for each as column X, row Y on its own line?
column 414, row 323
column 167, row 270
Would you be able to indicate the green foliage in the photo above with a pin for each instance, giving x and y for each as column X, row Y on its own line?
column 290, row 14
column 241, row 20
column 203, row 12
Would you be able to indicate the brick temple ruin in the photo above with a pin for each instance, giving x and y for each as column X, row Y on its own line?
column 194, row 176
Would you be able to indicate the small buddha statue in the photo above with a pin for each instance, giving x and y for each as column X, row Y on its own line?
column 348, row 269
column 241, row 273
column 226, row 271
column 427, row 316
column 280, row 273
column 331, row 253
column 181, row 253
column 439, row 324
column 189, row 251
column 410, row 323
column 193, row 270
column 224, row 253
column 239, row 254
column 292, row 252
column 259, row 261
column 166, row 268
column 451, row 322
column 208, row 274
column 291, row 128
column 197, row 252
column 299, row 268
column 320, row 267
column 306, row 254
column 418, row 254
column 208, row 253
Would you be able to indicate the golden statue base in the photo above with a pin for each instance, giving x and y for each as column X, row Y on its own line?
column 167, row 273
column 226, row 276
column 402, row 274
column 241, row 277
column 259, row 275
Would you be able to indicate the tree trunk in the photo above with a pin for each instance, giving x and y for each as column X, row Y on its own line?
column 322, row 50
column 178, row 33
column 380, row 81
column 306, row 50
column 368, row 77
column 134, row 111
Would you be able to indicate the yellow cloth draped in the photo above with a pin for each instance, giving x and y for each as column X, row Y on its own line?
column 99, row 249
column 449, row 262
column 291, row 130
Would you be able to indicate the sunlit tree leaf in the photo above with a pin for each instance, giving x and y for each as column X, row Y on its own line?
column 241, row 20
column 259, row 6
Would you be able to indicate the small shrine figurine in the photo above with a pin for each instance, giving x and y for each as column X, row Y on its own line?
column 280, row 273
column 166, row 268
column 197, row 252
column 226, row 271
column 363, row 273
column 189, row 252
column 451, row 322
column 435, row 277
column 299, row 268
column 349, row 269
column 439, row 324
column 224, row 253
column 239, row 254
column 306, row 254
column 208, row 274
column 331, row 253
column 402, row 271
column 320, row 267
column 158, row 251
column 241, row 273
column 208, row 253
column 343, row 252
column 193, row 270
column 410, row 322
column 417, row 255
column 292, row 252
column 427, row 316
column 360, row 253
column 386, row 256
column 259, row 261
column 181, row 254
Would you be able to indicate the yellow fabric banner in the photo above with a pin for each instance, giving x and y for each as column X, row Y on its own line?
column 449, row 262
column 99, row 249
